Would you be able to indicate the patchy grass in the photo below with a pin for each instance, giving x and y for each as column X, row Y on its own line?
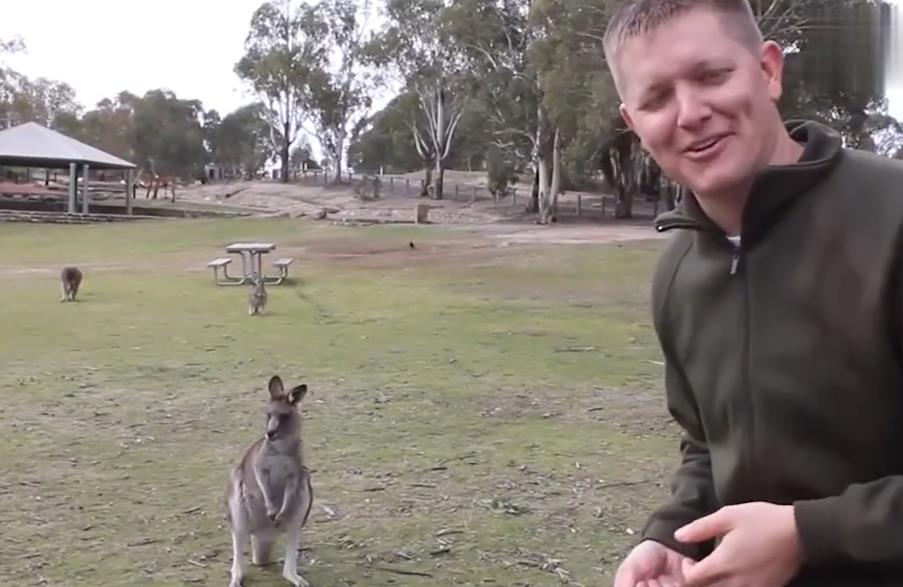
column 480, row 415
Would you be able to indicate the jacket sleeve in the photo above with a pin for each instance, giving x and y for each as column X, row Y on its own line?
column 692, row 487
column 861, row 525
column 864, row 522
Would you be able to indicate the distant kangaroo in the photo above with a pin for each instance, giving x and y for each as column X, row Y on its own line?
column 269, row 492
column 257, row 299
column 70, row 280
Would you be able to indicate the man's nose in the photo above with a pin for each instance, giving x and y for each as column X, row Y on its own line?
column 693, row 110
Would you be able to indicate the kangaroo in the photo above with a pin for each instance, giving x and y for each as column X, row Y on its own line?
column 269, row 492
column 70, row 280
column 257, row 300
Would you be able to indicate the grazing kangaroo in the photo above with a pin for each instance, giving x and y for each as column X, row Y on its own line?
column 257, row 300
column 269, row 492
column 70, row 280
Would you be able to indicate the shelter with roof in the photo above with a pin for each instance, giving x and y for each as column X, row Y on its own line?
column 36, row 146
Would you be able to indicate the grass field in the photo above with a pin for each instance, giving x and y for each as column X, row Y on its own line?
column 478, row 415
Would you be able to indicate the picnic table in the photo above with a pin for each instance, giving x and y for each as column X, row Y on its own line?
column 251, row 254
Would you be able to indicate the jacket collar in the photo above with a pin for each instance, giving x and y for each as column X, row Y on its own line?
column 775, row 187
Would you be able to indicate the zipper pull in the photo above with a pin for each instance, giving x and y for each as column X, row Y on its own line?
column 735, row 260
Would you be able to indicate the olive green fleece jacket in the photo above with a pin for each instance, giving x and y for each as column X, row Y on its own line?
column 784, row 359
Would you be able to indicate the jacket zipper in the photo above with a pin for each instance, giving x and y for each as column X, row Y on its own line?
column 736, row 251
column 676, row 222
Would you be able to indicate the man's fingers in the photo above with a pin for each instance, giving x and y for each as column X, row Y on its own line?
column 707, row 571
column 626, row 577
column 706, row 528
column 686, row 565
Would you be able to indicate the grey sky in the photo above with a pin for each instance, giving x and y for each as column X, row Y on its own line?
column 101, row 47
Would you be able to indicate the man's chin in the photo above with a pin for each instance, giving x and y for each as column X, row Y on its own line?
column 715, row 187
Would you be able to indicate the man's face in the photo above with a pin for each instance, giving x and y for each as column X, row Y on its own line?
column 701, row 102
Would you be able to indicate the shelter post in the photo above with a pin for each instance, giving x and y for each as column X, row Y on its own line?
column 129, row 182
column 73, row 183
column 85, row 197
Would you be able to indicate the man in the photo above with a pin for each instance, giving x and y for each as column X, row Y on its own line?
column 779, row 308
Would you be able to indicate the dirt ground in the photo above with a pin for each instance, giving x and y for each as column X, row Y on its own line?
column 505, row 222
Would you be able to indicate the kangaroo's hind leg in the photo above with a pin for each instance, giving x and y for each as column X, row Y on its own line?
column 239, row 527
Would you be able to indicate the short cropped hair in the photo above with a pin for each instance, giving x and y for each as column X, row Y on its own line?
column 637, row 17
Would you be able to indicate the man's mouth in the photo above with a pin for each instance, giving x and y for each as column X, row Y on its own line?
column 704, row 147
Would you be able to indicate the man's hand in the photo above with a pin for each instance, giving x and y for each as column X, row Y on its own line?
column 651, row 564
column 760, row 547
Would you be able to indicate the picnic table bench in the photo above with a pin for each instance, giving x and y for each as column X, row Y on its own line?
column 251, row 264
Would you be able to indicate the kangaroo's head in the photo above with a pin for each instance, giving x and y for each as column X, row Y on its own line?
column 283, row 419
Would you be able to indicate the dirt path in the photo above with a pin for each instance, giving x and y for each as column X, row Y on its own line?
column 503, row 222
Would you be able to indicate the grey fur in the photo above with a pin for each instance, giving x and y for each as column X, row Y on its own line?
column 70, row 280
column 257, row 300
column 269, row 493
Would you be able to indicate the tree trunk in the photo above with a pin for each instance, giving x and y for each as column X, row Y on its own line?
column 556, row 175
column 440, row 143
column 533, row 203
column 437, row 179
column 286, row 152
column 544, row 186
column 549, row 186
column 627, row 165
column 427, row 180
column 624, row 206
column 539, row 169
column 339, row 147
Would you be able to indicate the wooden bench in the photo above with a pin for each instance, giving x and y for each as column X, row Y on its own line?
column 282, row 266
column 222, row 262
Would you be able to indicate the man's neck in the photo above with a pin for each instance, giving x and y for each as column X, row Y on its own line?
column 726, row 209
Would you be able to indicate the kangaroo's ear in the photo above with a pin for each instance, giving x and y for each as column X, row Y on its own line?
column 276, row 389
column 297, row 393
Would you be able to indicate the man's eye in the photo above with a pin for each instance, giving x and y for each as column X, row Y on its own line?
column 654, row 101
column 715, row 75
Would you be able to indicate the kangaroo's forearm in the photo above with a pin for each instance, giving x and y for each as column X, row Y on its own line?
column 263, row 482
column 288, row 495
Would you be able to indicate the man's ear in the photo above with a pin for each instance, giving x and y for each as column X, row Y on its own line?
column 771, row 60
column 625, row 116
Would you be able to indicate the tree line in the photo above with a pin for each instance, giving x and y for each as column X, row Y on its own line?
column 517, row 89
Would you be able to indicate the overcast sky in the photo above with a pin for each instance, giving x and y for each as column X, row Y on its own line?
column 101, row 47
